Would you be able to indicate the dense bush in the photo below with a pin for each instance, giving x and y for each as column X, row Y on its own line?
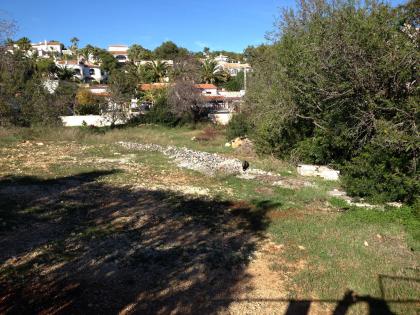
column 159, row 113
column 339, row 85
column 238, row 127
column 87, row 103
column 235, row 83
column 24, row 97
column 382, row 174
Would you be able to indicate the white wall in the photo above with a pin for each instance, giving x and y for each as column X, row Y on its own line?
column 233, row 93
column 95, row 120
column 123, row 49
column 209, row 91
column 222, row 117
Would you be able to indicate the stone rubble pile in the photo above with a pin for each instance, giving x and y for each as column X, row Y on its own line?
column 203, row 162
column 211, row 164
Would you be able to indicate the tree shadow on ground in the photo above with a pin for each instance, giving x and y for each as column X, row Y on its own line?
column 78, row 245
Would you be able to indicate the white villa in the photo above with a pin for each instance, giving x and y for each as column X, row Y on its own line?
column 74, row 65
column 46, row 48
column 120, row 52
column 83, row 71
column 221, row 59
column 207, row 89
column 94, row 72
column 235, row 68
column 168, row 62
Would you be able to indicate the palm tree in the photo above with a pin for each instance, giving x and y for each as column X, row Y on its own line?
column 24, row 44
column 210, row 72
column 86, row 52
column 150, row 97
column 74, row 45
column 159, row 69
column 9, row 42
column 64, row 73
column 137, row 53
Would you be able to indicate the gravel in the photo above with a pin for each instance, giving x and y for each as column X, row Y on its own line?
column 203, row 162
column 211, row 164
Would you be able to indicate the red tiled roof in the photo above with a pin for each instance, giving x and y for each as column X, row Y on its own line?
column 152, row 86
column 214, row 97
column 68, row 62
column 205, row 86
column 91, row 65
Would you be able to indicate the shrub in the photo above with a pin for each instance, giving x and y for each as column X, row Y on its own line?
column 238, row 126
column 160, row 113
column 87, row 109
column 339, row 86
column 235, row 83
column 86, row 103
column 382, row 174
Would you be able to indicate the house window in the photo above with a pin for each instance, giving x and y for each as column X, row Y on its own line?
column 91, row 71
column 208, row 92
column 121, row 57
column 77, row 71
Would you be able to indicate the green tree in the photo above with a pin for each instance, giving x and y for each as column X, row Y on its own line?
column 337, row 84
column 235, row 83
column 87, row 52
column 107, row 60
column 169, row 51
column 64, row 73
column 137, row 53
column 24, row 100
column 46, row 67
column 74, row 44
column 24, row 44
column 159, row 69
column 211, row 72
column 86, row 103
column 122, row 89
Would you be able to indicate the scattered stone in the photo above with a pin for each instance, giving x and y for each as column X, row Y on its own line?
column 228, row 144
column 379, row 236
column 211, row 164
column 204, row 162
column 39, row 144
column 316, row 170
column 350, row 201
column 194, row 139
column 301, row 247
column 366, row 243
column 395, row 204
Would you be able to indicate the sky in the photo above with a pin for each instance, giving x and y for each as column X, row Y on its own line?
column 218, row 24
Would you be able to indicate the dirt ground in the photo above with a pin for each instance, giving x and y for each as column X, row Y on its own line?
column 85, row 244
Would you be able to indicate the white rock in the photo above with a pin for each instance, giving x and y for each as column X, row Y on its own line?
column 316, row 170
column 395, row 204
